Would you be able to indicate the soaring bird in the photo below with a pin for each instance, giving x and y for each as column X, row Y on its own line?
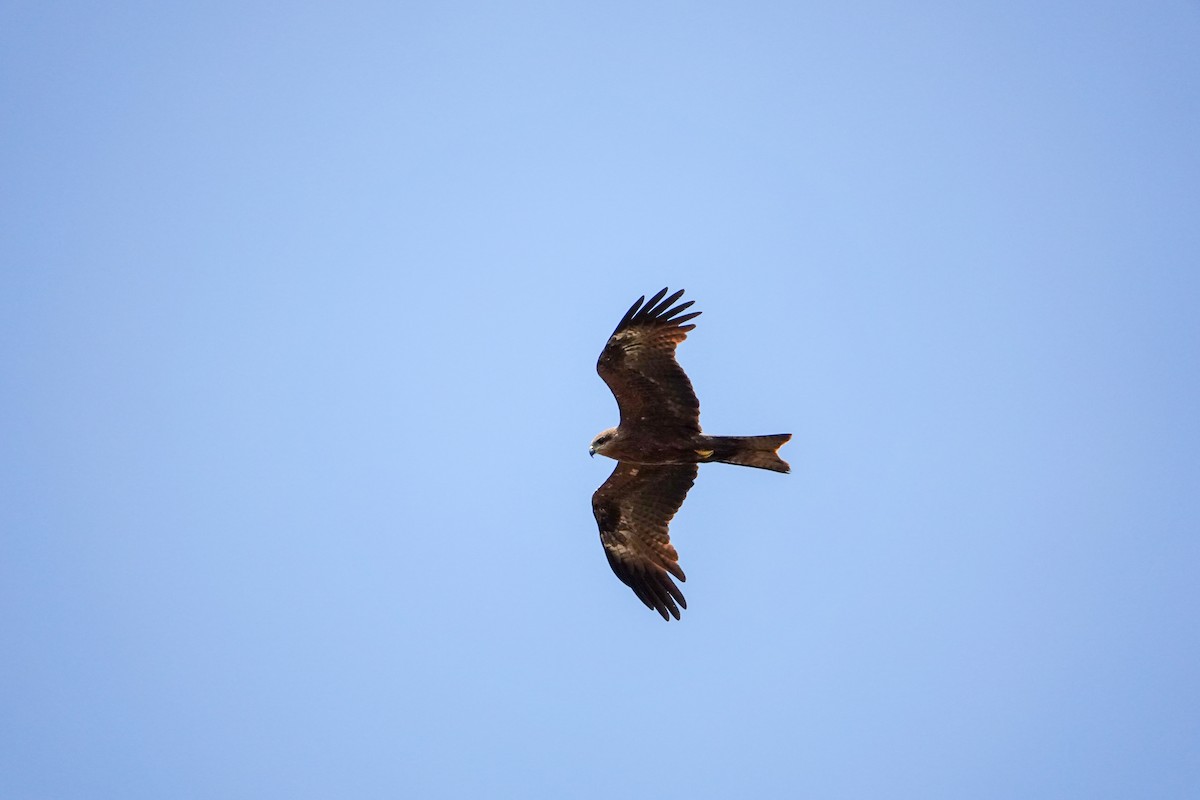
column 658, row 447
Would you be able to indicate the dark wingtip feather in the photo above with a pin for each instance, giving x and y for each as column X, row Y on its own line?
column 658, row 310
column 629, row 315
column 657, row 296
column 656, row 590
column 666, row 594
column 652, row 586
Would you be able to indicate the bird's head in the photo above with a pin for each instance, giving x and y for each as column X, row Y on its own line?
column 602, row 441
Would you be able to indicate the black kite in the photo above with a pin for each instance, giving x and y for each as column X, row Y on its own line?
column 658, row 445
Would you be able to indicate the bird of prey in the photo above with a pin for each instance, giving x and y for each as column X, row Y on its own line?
column 658, row 447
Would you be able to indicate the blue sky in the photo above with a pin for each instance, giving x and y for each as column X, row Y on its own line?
column 299, row 311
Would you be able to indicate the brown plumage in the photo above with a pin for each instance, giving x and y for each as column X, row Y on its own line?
column 658, row 445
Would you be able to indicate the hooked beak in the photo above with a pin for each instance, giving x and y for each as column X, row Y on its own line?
column 592, row 451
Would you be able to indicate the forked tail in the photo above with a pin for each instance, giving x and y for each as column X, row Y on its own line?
column 751, row 451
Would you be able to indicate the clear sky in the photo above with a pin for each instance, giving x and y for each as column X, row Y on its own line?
column 299, row 311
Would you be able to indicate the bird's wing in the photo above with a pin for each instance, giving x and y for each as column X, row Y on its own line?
column 633, row 508
column 638, row 364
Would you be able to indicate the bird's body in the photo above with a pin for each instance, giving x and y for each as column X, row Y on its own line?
column 658, row 445
column 651, row 447
column 665, row 447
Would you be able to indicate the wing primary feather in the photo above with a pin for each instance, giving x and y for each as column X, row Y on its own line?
column 680, row 320
column 670, row 593
column 657, row 310
column 654, row 585
column 667, row 315
column 653, row 301
column 662, row 599
column 674, row 590
column 646, row 592
column 640, row 591
column 629, row 315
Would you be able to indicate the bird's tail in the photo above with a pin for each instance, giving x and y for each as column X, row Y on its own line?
column 750, row 451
